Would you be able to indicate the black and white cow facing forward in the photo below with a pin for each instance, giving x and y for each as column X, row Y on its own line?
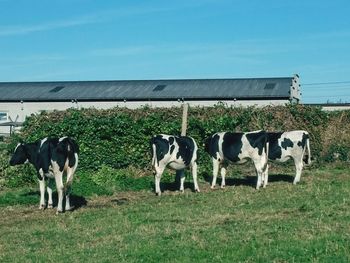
column 290, row 145
column 51, row 157
column 238, row 148
column 177, row 153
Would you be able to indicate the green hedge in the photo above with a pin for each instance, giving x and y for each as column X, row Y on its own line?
column 118, row 138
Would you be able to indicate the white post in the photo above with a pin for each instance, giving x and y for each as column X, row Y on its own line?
column 183, row 133
column 184, row 119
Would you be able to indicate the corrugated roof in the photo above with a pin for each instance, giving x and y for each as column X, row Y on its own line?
column 188, row 89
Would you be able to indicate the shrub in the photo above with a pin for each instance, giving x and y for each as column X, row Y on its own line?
column 339, row 152
column 114, row 143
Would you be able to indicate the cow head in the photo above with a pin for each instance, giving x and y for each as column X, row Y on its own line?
column 20, row 155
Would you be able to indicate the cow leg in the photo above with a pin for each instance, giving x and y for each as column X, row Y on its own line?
column 216, row 165
column 42, row 194
column 157, row 183
column 70, row 175
column 67, row 192
column 181, row 175
column 223, row 174
column 265, row 176
column 298, row 168
column 60, row 190
column 259, row 171
column 159, row 172
column 194, row 175
column 259, row 180
column 49, row 192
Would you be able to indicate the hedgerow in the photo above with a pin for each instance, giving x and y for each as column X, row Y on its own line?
column 117, row 139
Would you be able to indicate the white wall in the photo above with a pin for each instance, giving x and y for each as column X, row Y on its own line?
column 336, row 107
column 24, row 109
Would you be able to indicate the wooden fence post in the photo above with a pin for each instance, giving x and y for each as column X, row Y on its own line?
column 184, row 119
column 183, row 133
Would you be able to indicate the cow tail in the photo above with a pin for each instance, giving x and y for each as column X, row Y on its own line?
column 267, row 145
column 267, row 149
column 308, row 150
column 154, row 153
column 74, row 148
column 68, row 147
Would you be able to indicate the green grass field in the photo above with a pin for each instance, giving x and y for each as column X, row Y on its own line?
column 309, row 222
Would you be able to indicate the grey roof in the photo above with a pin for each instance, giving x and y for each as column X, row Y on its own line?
column 139, row 90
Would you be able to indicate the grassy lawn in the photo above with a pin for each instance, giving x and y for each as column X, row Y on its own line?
column 309, row 222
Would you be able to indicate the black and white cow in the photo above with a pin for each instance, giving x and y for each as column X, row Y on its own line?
column 177, row 153
column 290, row 145
column 51, row 157
column 238, row 148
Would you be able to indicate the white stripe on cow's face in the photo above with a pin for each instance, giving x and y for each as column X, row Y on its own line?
column 253, row 131
column 20, row 144
column 42, row 142
column 62, row 138
column 17, row 147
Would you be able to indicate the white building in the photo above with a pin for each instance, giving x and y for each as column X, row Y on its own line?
column 20, row 99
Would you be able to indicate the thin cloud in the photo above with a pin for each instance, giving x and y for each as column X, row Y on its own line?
column 27, row 29
column 99, row 17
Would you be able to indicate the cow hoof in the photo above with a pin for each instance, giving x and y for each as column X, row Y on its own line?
column 59, row 212
column 41, row 207
column 222, row 187
column 50, row 206
column 212, row 187
column 71, row 208
column 158, row 194
column 182, row 191
column 197, row 191
column 296, row 181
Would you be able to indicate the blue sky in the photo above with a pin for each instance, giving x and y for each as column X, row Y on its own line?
column 103, row 40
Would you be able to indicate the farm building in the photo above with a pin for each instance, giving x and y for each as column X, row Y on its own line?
column 20, row 99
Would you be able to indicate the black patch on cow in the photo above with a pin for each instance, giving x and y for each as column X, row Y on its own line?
column 232, row 146
column 302, row 143
column 275, row 151
column 258, row 140
column 286, row 143
column 162, row 147
column 212, row 145
column 46, row 154
column 171, row 140
column 172, row 148
column 186, row 149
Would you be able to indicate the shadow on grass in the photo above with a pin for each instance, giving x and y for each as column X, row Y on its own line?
column 174, row 186
column 75, row 200
column 249, row 180
column 281, row 178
